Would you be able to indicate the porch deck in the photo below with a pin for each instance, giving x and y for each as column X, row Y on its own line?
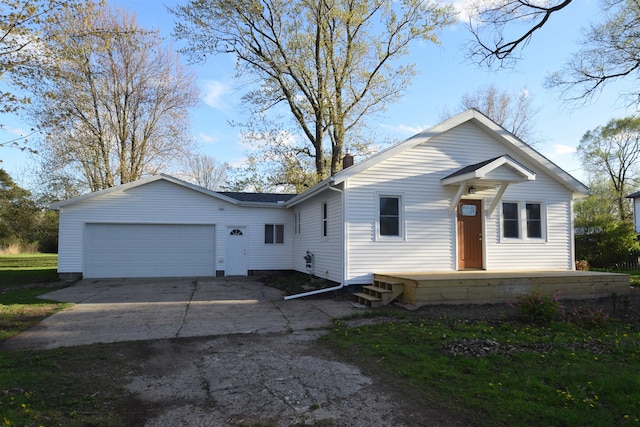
column 488, row 287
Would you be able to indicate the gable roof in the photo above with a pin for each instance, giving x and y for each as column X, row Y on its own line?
column 484, row 169
column 236, row 198
column 473, row 116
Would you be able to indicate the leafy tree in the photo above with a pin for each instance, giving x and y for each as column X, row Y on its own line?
column 121, row 109
column 21, row 56
column 332, row 63
column 609, row 52
column 512, row 111
column 610, row 153
column 17, row 212
column 602, row 238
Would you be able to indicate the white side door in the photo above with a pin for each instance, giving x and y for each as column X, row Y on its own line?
column 236, row 251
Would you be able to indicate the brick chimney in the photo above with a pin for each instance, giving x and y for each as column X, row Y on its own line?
column 347, row 160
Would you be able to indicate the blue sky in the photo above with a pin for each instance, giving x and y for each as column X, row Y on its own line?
column 444, row 77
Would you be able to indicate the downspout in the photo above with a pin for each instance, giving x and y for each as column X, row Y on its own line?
column 344, row 255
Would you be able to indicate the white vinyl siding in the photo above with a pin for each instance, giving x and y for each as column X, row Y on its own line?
column 429, row 242
column 163, row 202
column 327, row 251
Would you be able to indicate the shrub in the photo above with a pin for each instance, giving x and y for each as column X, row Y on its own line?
column 582, row 265
column 537, row 308
column 589, row 318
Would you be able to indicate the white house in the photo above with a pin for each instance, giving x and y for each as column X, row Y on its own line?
column 465, row 194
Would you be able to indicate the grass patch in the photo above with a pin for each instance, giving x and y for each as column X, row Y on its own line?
column 20, row 309
column 78, row 386
column 26, row 269
column 23, row 278
column 508, row 373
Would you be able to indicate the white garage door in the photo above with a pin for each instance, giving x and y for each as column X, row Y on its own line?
column 146, row 250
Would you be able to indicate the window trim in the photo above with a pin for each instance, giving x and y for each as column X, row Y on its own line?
column 523, row 222
column 401, row 217
column 274, row 234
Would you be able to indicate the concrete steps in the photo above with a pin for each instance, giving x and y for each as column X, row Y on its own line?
column 379, row 294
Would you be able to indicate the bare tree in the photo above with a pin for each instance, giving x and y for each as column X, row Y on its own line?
column 513, row 111
column 332, row 63
column 609, row 48
column 21, row 55
column 609, row 51
column 493, row 22
column 121, row 110
column 206, row 172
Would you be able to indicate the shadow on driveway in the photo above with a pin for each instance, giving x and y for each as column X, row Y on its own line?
column 110, row 310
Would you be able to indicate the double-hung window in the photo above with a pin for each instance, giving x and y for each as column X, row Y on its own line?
column 325, row 219
column 522, row 220
column 510, row 221
column 296, row 223
column 273, row 234
column 390, row 216
column 534, row 220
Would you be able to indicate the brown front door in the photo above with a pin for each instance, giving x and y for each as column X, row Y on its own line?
column 469, row 234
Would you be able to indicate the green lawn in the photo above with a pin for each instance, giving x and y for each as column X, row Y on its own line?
column 26, row 269
column 22, row 279
column 506, row 373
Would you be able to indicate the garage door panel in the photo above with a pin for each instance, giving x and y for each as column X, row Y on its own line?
column 149, row 250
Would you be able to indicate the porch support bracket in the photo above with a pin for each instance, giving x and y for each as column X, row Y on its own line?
column 456, row 199
column 496, row 198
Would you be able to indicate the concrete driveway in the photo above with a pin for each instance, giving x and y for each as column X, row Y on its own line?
column 140, row 309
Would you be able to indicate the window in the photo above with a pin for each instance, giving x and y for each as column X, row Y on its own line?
column 325, row 216
column 389, row 216
column 510, row 222
column 273, row 233
column 296, row 223
column 534, row 221
column 524, row 223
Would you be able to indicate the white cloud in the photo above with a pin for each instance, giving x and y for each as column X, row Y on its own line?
column 406, row 129
column 563, row 149
column 465, row 10
column 214, row 92
column 207, row 139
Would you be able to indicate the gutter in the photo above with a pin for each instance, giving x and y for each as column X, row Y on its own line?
column 344, row 254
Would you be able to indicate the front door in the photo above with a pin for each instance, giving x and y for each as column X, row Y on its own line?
column 469, row 234
column 236, row 251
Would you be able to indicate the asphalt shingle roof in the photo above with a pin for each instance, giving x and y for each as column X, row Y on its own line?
column 258, row 197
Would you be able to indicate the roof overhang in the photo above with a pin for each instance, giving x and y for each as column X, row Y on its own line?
column 497, row 173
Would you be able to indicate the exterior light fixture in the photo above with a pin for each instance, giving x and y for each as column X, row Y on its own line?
column 471, row 190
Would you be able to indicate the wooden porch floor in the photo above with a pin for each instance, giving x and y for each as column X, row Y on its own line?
column 485, row 287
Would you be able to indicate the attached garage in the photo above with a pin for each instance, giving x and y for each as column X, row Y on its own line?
column 161, row 226
column 149, row 250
